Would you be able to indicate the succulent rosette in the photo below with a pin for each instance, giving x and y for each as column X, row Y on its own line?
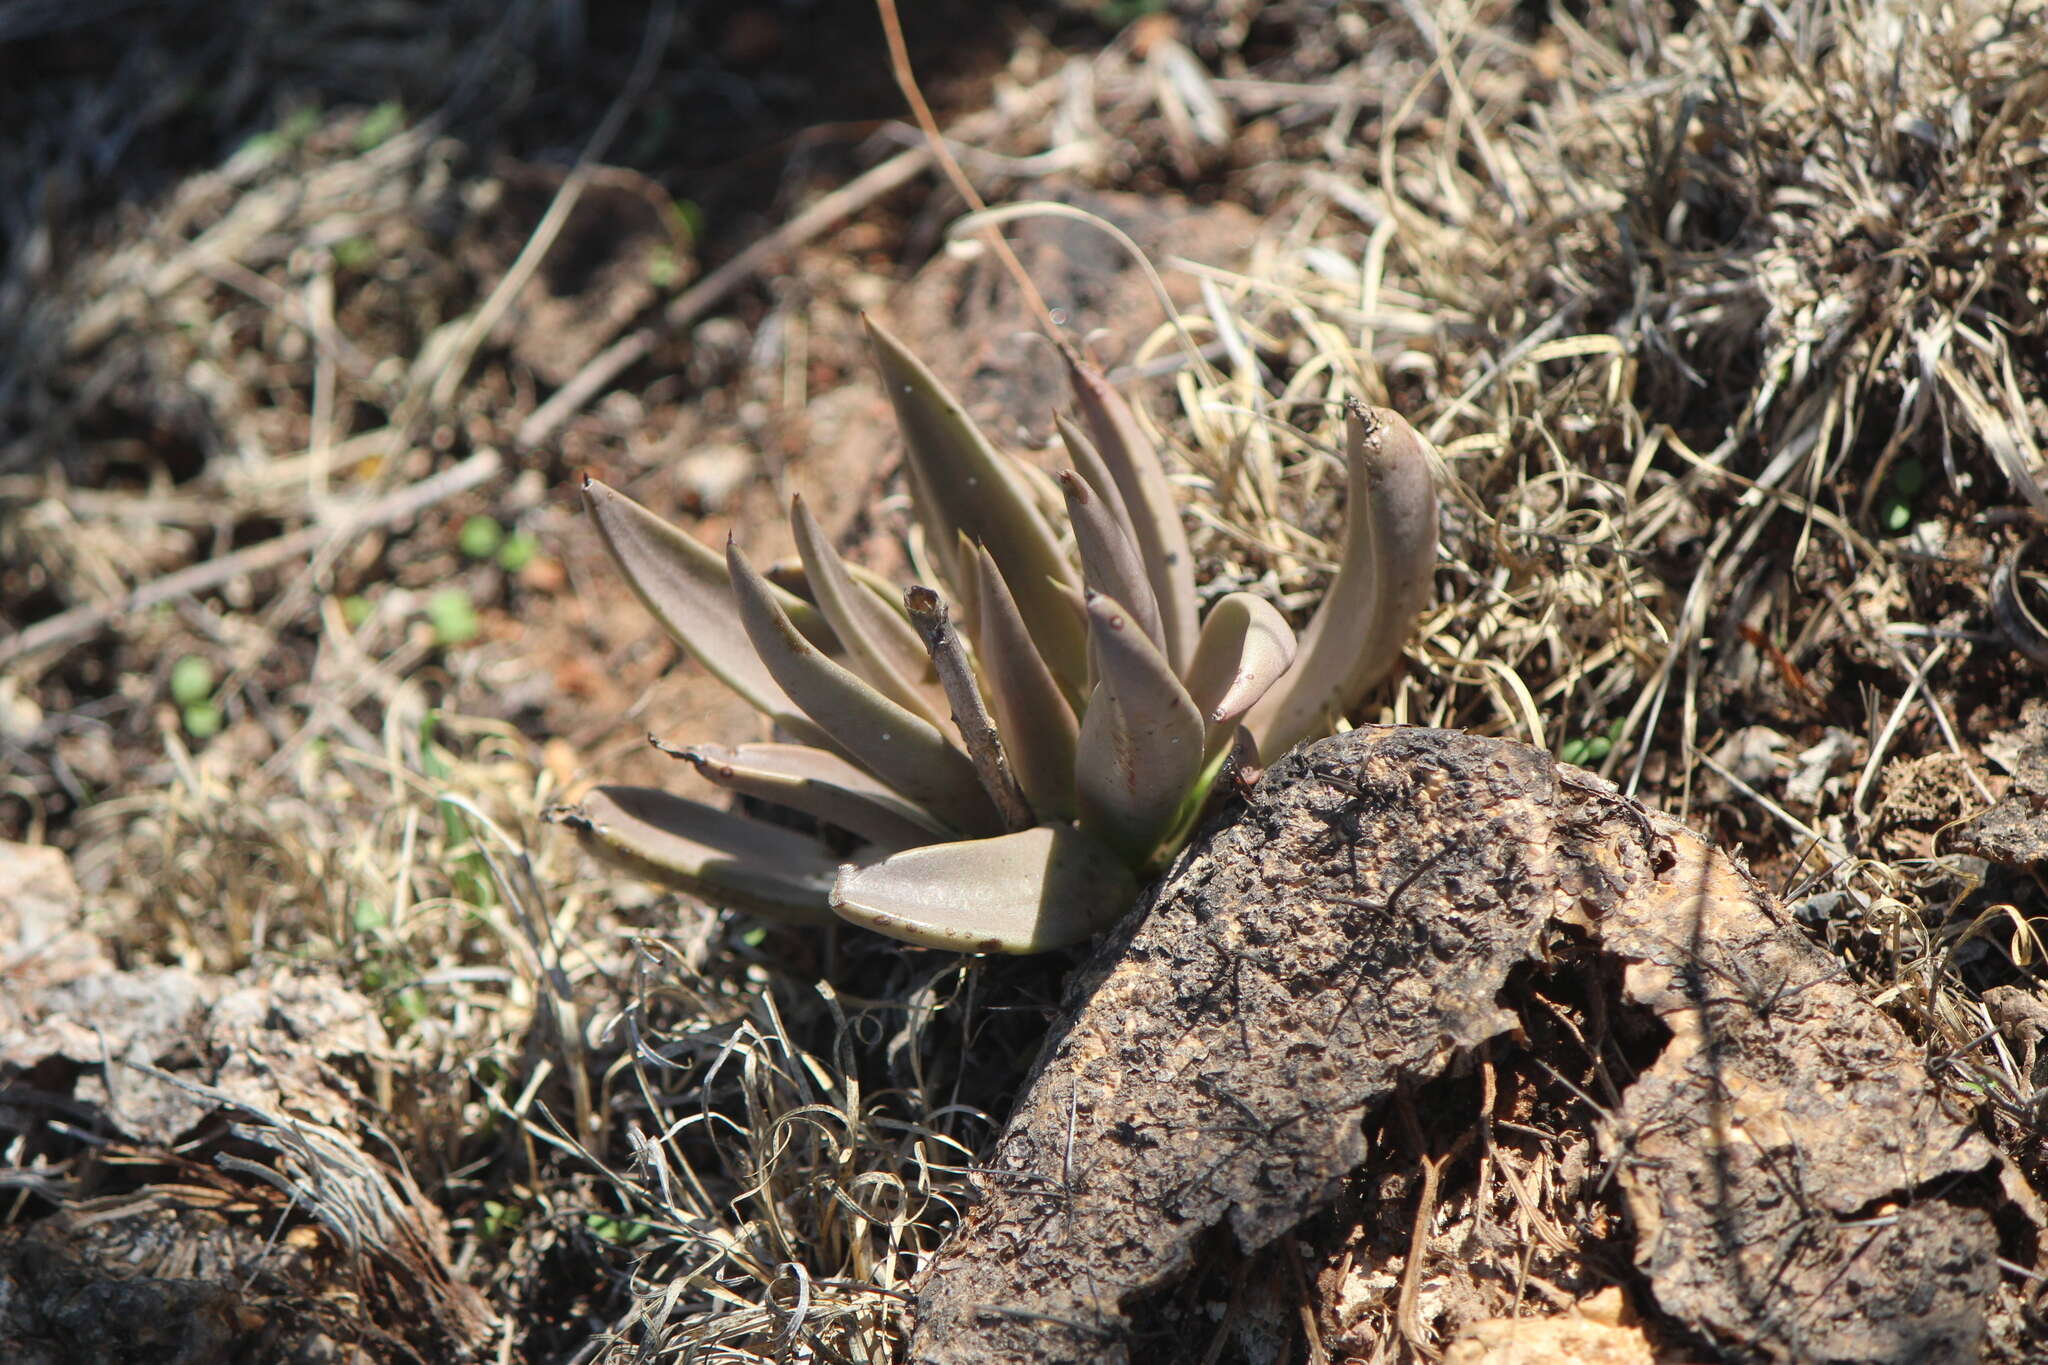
column 1009, row 753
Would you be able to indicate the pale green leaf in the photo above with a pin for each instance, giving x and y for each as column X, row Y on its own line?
column 966, row 487
column 1027, row 892
column 1245, row 648
column 879, row 644
column 1110, row 563
column 819, row 784
column 724, row 858
column 966, row 586
column 900, row 747
column 1133, row 462
column 1031, row 713
column 687, row 588
column 1382, row 583
column 1088, row 460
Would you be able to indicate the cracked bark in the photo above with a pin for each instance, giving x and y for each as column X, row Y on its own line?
column 1785, row 1162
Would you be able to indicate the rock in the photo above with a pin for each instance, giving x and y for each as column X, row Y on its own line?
column 2015, row 831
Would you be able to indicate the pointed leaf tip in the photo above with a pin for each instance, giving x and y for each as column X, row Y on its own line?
column 1110, row 561
column 724, row 858
column 1141, row 742
column 900, row 747
column 819, row 784
column 959, row 484
column 1032, row 714
column 685, row 585
column 1133, row 463
column 879, row 644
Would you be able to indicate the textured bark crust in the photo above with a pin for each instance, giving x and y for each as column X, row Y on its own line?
column 1354, row 927
column 1782, row 1160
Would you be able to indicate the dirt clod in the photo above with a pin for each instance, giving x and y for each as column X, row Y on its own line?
column 2015, row 831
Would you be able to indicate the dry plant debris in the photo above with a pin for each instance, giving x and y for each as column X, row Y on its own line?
column 161, row 1067
column 1593, row 1333
column 2015, row 831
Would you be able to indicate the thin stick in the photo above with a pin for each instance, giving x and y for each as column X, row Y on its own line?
column 79, row 623
column 1425, row 1211
column 653, row 43
column 1883, row 742
column 984, row 744
column 700, row 298
column 906, row 81
column 606, row 366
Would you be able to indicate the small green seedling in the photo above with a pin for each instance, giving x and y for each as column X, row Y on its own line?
column 368, row 916
column 379, row 126
column 191, row 680
column 1588, row 749
column 355, row 254
column 453, row 617
column 500, row 1221
column 1905, row 483
column 663, row 269
column 520, row 549
column 481, row 536
column 621, row 1232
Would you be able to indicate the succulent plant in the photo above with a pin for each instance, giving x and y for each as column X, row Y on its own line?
column 1004, row 788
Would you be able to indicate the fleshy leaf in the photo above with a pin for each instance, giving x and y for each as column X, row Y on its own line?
column 1246, row 646
column 940, row 537
column 1036, row 487
column 883, row 590
column 818, row 784
column 1031, row 713
column 882, row 646
column 688, row 589
column 1133, row 462
column 727, row 859
column 1076, row 599
column 902, row 748
column 1141, row 741
column 789, row 575
column 1110, row 562
column 966, row 586
column 1382, row 582
column 1088, row 460
column 963, row 485
column 1028, row 892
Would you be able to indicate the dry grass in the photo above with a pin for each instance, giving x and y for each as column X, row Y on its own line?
column 1678, row 305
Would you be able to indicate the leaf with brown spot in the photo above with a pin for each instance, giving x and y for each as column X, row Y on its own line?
column 819, row 784
column 727, row 859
